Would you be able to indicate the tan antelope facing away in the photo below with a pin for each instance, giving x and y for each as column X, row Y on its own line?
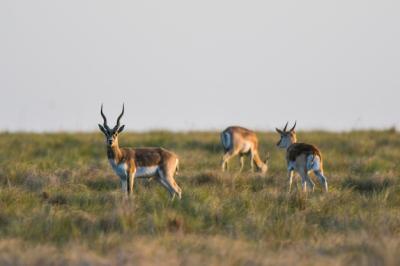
column 130, row 163
column 241, row 141
column 302, row 158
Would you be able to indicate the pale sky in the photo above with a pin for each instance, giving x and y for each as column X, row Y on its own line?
column 186, row 65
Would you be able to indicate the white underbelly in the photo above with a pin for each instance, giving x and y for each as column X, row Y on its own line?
column 148, row 171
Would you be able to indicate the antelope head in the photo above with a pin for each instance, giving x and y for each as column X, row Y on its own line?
column 111, row 134
column 287, row 137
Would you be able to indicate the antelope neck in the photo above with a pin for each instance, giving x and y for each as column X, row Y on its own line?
column 291, row 145
column 114, row 153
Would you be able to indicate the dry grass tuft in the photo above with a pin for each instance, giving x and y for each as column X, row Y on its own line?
column 208, row 178
column 368, row 185
column 57, row 199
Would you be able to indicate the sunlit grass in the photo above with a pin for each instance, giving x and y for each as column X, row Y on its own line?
column 58, row 193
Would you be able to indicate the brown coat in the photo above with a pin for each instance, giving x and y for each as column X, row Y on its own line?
column 297, row 149
column 142, row 156
column 240, row 134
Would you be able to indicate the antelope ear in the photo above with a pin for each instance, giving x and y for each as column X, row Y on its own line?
column 279, row 131
column 103, row 129
column 121, row 128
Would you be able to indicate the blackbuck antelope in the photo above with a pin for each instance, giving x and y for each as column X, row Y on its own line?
column 241, row 141
column 302, row 158
column 131, row 163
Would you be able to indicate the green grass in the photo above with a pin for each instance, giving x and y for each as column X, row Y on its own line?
column 60, row 204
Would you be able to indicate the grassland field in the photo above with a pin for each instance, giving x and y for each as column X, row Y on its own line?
column 60, row 204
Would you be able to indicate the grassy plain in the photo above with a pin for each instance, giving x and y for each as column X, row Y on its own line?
column 60, row 204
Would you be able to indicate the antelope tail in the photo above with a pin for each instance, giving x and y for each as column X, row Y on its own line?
column 226, row 140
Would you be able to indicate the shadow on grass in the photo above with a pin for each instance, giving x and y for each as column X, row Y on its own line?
column 297, row 201
column 57, row 199
column 111, row 223
column 207, row 178
column 4, row 219
column 356, row 254
column 367, row 186
column 102, row 184
column 253, row 181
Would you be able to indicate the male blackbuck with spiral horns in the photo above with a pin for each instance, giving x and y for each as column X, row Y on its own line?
column 241, row 141
column 302, row 158
column 131, row 163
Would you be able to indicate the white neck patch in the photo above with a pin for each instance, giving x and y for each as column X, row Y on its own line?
column 119, row 169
